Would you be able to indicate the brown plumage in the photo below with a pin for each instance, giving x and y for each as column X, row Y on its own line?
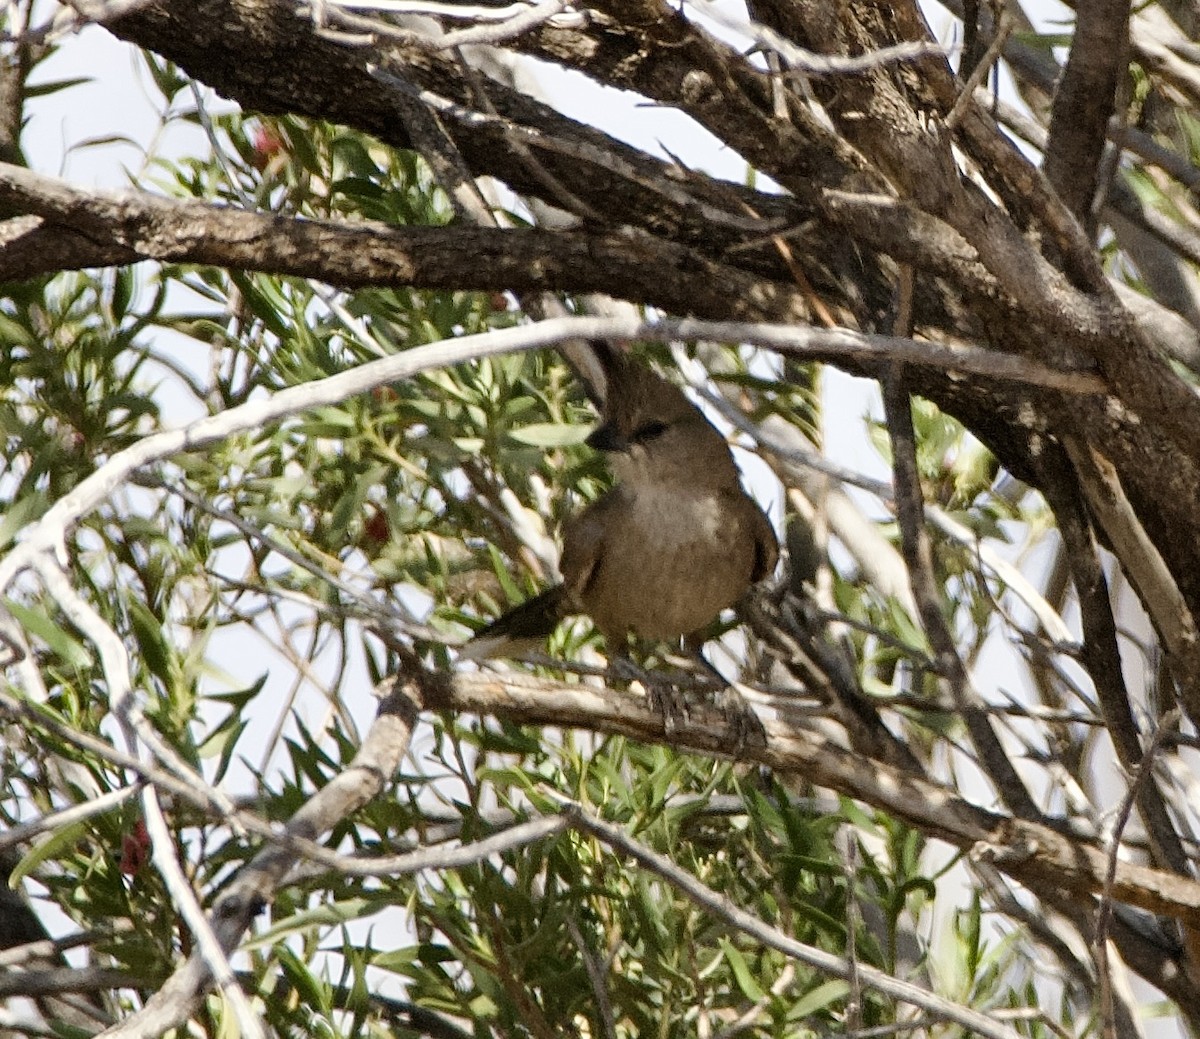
column 675, row 541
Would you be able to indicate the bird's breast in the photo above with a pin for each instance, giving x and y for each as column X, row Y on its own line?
column 672, row 560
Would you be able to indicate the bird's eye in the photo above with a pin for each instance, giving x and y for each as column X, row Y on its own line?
column 649, row 431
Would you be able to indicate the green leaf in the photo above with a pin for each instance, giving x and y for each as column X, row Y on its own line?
column 104, row 140
column 312, row 992
column 1044, row 41
column 328, row 915
column 58, row 639
column 857, row 816
column 820, row 998
column 228, row 1027
column 152, row 641
column 404, row 960
column 19, row 513
column 54, row 86
column 741, row 972
column 46, row 850
column 550, row 434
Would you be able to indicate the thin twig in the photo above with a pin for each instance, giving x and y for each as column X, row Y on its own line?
column 809, row 63
column 720, row 907
column 441, row 857
column 525, row 137
column 977, row 74
column 918, row 554
column 854, row 1001
column 595, row 975
column 67, row 816
column 431, row 8
column 1167, row 724
column 501, row 32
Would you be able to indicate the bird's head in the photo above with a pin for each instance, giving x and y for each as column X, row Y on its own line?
column 651, row 432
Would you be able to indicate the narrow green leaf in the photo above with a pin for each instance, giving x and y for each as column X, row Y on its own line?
column 550, row 434
column 58, row 639
column 741, row 972
column 819, row 998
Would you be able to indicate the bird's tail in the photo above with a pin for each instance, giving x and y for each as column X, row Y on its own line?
column 521, row 629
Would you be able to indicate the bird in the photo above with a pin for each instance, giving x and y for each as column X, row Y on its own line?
column 671, row 544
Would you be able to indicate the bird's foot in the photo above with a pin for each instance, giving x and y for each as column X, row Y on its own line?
column 669, row 702
column 663, row 696
column 743, row 721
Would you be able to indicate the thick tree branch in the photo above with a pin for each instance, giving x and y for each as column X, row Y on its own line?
column 108, row 228
column 1039, row 856
column 1084, row 102
column 224, row 42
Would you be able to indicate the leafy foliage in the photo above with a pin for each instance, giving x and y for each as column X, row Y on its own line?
column 262, row 584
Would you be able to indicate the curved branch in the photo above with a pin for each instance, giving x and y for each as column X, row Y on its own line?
column 721, row 908
column 47, row 533
column 1040, row 856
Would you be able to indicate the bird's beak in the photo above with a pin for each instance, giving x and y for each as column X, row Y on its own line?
column 606, row 438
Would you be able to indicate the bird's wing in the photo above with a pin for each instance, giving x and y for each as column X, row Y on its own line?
column 766, row 545
column 584, row 540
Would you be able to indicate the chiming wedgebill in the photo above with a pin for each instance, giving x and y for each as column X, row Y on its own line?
column 671, row 544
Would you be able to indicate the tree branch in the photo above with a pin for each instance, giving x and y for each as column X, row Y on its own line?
column 1040, row 856
column 254, row 886
column 918, row 554
column 1084, row 102
column 1102, row 658
column 96, row 228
